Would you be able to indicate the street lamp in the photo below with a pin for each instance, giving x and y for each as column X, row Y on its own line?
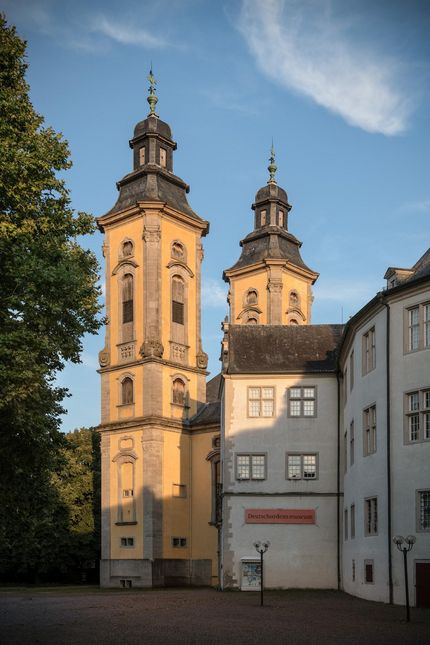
column 405, row 545
column 261, row 548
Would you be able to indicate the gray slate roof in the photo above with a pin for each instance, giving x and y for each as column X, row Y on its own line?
column 277, row 349
column 209, row 413
column 270, row 242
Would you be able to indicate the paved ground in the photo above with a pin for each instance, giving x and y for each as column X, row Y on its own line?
column 66, row 616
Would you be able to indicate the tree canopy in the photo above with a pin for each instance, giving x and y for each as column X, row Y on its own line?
column 48, row 292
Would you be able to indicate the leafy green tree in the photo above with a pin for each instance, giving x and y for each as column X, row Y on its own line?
column 48, row 300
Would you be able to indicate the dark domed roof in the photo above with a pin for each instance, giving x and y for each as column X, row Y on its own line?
column 271, row 191
column 153, row 124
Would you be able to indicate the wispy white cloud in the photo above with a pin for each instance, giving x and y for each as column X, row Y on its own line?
column 214, row 293
column 419, row 206
column 126, row 33
column 304, row 47
column 344, row 291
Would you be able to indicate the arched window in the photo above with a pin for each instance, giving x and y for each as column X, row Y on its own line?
column 178, row 300
column 251, row 297
column 178, row 394
column 127, row 249
column 127, row 391
column 127, row 298
column 178, row 251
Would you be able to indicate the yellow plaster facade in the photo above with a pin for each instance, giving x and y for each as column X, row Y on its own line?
column 155, row 530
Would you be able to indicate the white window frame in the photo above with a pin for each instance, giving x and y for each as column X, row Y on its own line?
column 262, row 398
column 420, row 413
column 302, row 399
column 352, row 520
column 423, row 525
column 253, row 466
column 369, row 430
column 369, row 351
column 417, row 332
column 301, row 459
column 371, row 516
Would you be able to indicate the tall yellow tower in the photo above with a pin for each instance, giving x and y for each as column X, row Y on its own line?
column 153, row 372
column 270, row 284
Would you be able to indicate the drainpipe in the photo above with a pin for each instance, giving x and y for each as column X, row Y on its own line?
column 338, row 482
column 390, row 556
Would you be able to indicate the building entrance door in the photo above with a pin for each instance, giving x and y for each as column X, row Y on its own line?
column 422, row 583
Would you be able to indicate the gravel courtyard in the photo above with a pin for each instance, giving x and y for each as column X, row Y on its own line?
column 63, row 616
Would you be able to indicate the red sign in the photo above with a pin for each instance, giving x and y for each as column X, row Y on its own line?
column 280, row 516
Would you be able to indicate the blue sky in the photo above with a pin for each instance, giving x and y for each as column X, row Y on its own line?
column 341, row 86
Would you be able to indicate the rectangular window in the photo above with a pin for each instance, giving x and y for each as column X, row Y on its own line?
column 345, row 452
column 351, row 370
column 351, row 443
column 418, row 327
column 127, row 541
column 345, row 523
column 345, row 386
column 179, row 490
column 423, row 510
column 127, row 311
column 250, row 467
column 141, row 156
column 352, row 520
column 302, row 466
column 369, row 430
column 178, row 312
column 371, row 516
column 353, row 571
column 127, row 492
column 369, row 351
column 263, row 218
column 261, row 401
column 179, row 542
column 417, row 416
column 368, row 571
column 163, row 157
column 302, row 401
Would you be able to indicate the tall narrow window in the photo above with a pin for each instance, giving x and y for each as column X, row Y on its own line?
column 369, row 430
column 141, row 156
column 351, row 370
column 281, row 218
column 345, row 524
column 369, row 351
column 426, row 325
column 414, row 328
column 127, row 391
column 423, row 510
column 127, row 298
column 351, row 443
column 178, row 300
column 352, row 520
column 371, row 516
column 345, row 452
column 263, row 218
column 417, row 416
column 178, row 395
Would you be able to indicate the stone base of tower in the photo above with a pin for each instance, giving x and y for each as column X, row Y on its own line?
column 156, row 573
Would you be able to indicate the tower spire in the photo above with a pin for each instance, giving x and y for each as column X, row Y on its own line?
column 152, row 98
column 272, row 167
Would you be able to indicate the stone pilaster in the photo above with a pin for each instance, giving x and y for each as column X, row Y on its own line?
column 105, row 497
column 152, row 445
column 152, row 286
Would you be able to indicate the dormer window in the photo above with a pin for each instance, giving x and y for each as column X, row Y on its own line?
column 163, row 157
column 141, row 156
column 263, row 218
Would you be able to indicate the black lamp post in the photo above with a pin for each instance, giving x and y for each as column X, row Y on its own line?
column 405, row 545
column 261, row 549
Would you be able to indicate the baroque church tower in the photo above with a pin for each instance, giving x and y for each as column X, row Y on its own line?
column 153, row 371
column 270, row 284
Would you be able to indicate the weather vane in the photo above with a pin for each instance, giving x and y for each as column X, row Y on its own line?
column 152, row 98
column 272, row 167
